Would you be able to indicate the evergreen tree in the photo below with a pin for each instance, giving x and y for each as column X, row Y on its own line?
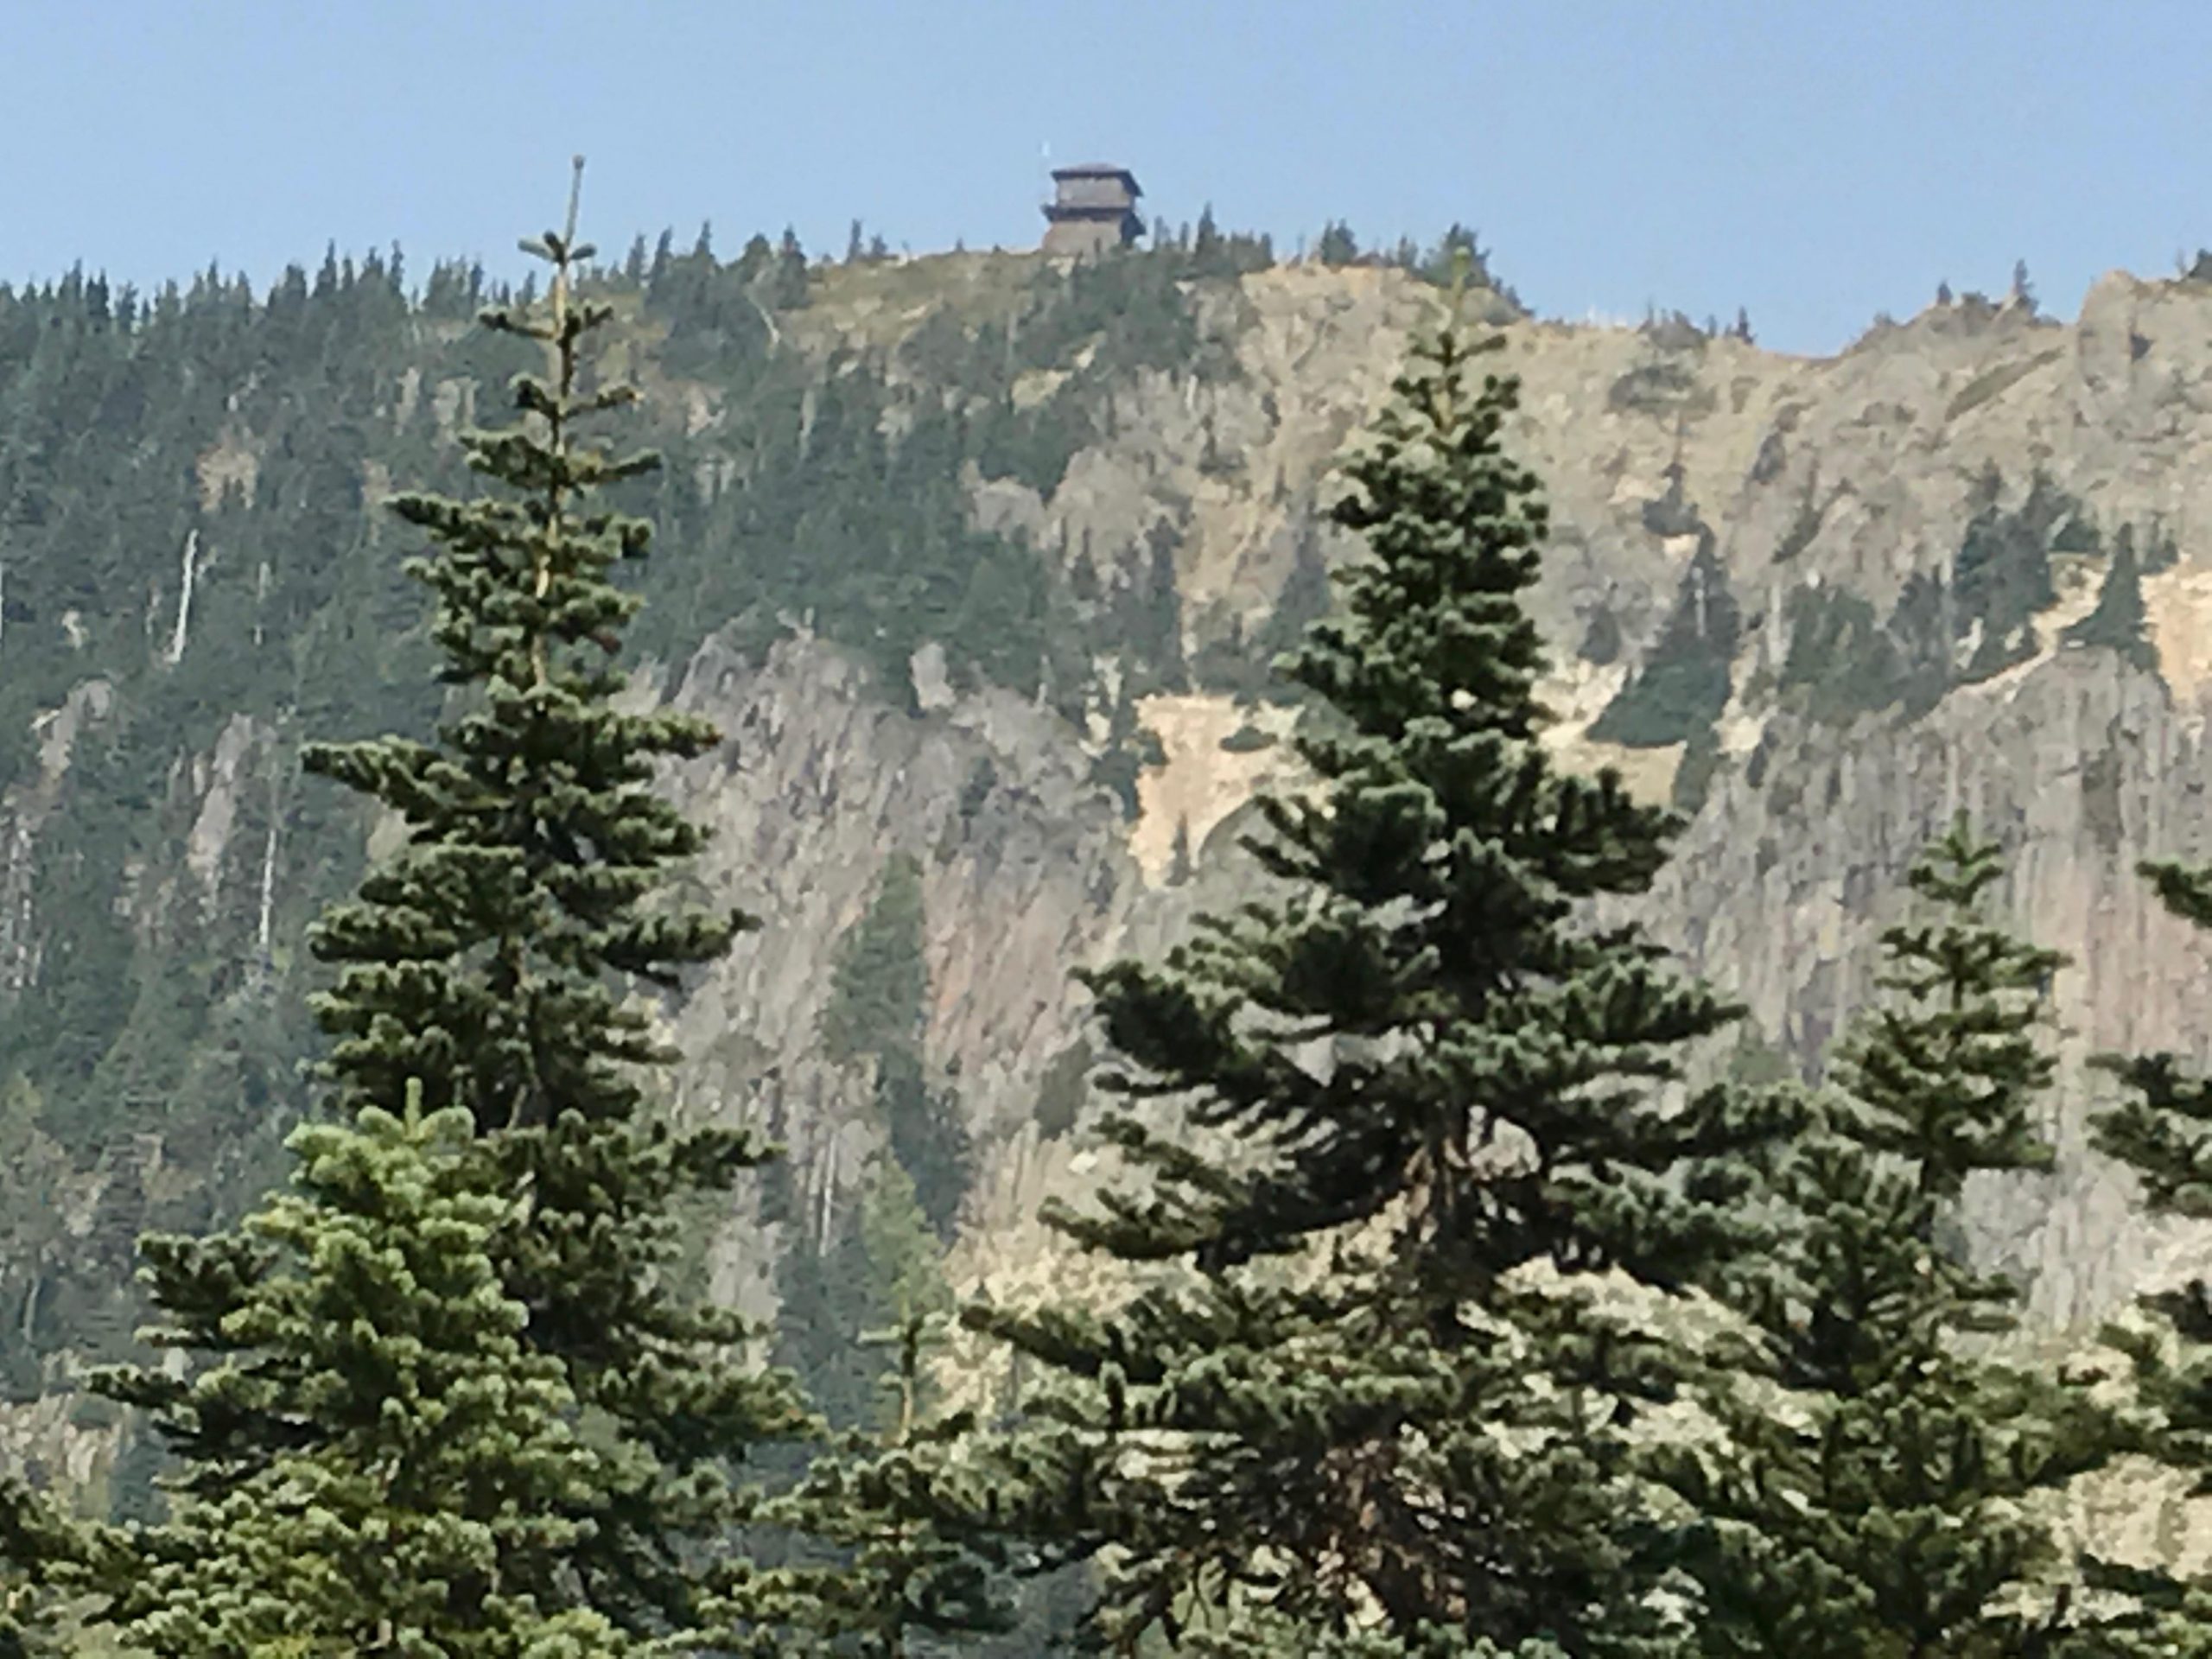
column 1303, row 600
column 2117, row 623
column 787, row 286
column 487, row 958
column 880, row 1254
column 1206, row 244
column 929, row 1136
column 1153, row 618
column 2163, row 1131
column 822, row 1288
column 2002, row 578
column 880, row 985
column 877, row 1009
column 432, row 1467
column 1130, row 747
column 1874, row 1508
column 895, row 1583
column 42, row 1559
column 1387, row 1389
column 1948, row 1074
column 1179, row 858
column 1338, row 246
column 1460, row 250
column 835, row 1286
column 1685, row 681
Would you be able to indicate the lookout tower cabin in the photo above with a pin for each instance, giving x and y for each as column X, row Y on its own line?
column 1094, row 208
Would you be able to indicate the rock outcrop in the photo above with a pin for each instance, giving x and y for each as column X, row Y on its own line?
column 1836, row 488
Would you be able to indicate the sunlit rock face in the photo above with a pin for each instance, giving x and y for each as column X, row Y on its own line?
column 1786, row 593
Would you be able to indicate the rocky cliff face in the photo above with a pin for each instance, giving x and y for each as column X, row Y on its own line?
column 1787, row 592
column 1654, row 444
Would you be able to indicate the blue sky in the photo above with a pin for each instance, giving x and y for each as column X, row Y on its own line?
column 1815, row 160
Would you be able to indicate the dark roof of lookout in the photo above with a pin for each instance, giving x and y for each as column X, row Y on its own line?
column 1099, row 170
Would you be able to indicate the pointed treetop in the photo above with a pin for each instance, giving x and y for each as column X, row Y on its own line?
column 1461, row 261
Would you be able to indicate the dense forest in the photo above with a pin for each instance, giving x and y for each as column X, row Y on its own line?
column 246, row 601
column 1468, row 1311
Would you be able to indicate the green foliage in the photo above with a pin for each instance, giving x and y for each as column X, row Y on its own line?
column 1684, row 683
column 487, row 958
column 927, row 1129
column 799, row 489
column 1064, row 1089
column 1459, row 257
column 1700, row 764
column 42, row 1555
column 876, row 1258
column 1949, row 1072
column 881, row 1258
column 1601, row 638
column 1812, row 512
column 1756, row 1064
column 2002, row 575
column 878, row 1008
column 823, row 1291
column 1415, row 1429
column 105, row 403
column 1867, row 1502
column 1179, row 856
column 2117, row 622
column 1841, row 664
column 1307, row 596
column 880, row 987
column 2162, row 550
column 34, row 1167
column 2078, row 535
column 1665, row 386
column 896, row 1584
column 432, row 1470
column 903, row 1252
column 1920, row 625
column 2161, row 1617
column 1251, row 667
column 1338, row 245
column 1146, row 611
column 2162, row 1130
column 1214, row 252
column 1133, row 311
column 867, row 534
column 1131, row 747
column 855, row 510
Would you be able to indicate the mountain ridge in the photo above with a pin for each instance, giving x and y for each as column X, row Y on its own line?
column 1022, row 660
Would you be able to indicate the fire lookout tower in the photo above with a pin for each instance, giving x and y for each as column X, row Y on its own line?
column 1094, row 208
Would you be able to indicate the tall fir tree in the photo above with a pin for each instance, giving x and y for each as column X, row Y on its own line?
column 1389, row 1409
column 877, row 998
column 490, row 959
column 1875, row 1505
column 432, row 1470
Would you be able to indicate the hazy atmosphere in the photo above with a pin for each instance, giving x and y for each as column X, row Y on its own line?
column 1814, row 163
column 1291, row 831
